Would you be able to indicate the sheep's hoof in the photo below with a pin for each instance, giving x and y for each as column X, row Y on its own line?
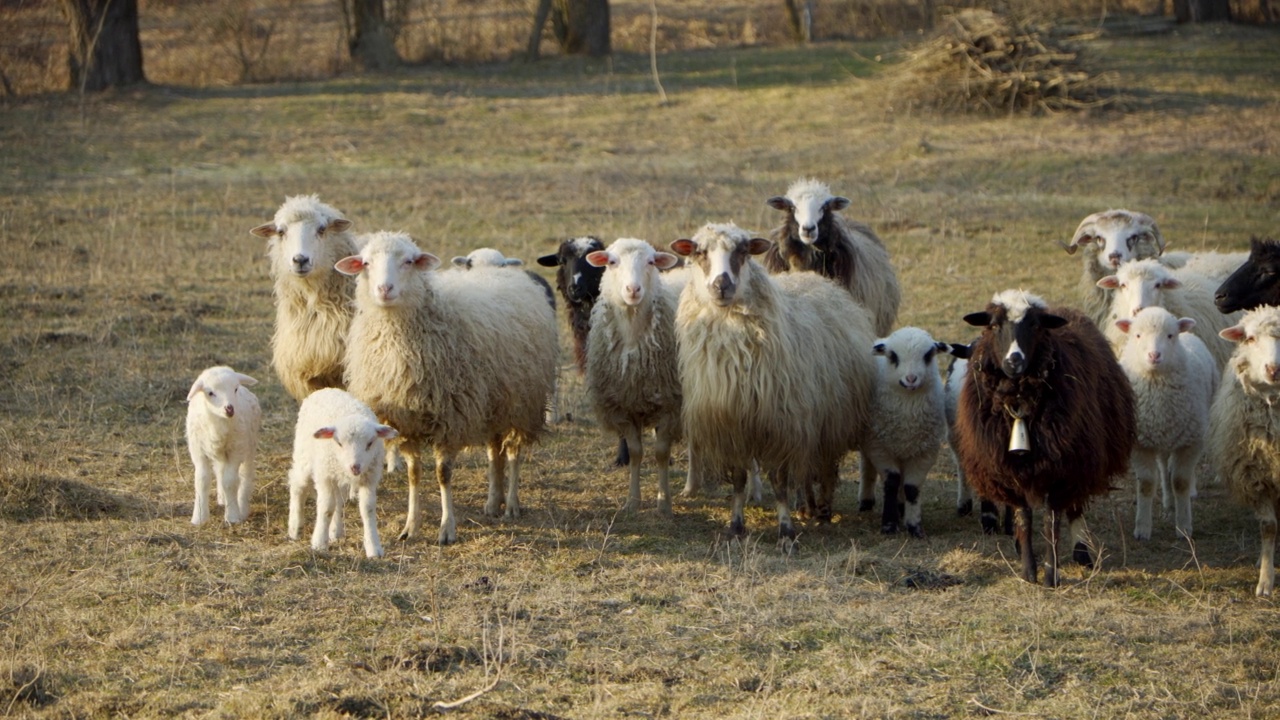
column 493, row 510
column 664, row 508
column 889, row 528
column 1141, row 534
column 915, row 531
column 965, row 508
column 374, row 553
column 1080, row 554
column 446, row 537
column 1263, row 590
column 989, row 525
column 512, row 513
column 866, row 505
column 737, row 528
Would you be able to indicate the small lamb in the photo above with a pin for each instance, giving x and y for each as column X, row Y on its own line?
column 223, row 421
column 338, row 446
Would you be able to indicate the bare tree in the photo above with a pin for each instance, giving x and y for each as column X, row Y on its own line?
column 372, row 27
column 104, row 48
column 800, row 17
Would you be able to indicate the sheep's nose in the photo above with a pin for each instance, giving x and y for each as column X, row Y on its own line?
column 301, row 260
column 633, row 290
column 230, row 410
column 355, row 469
column 723, row 286
column 385, row 290
column 1114, row 259
column 1014, row 365
column 1154, row 357
column 910, row 381
column 1273, row 371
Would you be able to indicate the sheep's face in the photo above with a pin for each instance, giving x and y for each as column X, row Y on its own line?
column 909, row 358
column 388, row 264
column 630, row 269
column 1257, row 359
column 485, row 257
column 357, row 443
column 576, row 279
column 1138, row 285
column 220, row 391
column 1118, row 236
column 296, row 239
column 720, row 253
column 1013, row 325
column 1257, row 282
column 810, row 210
column 1153, row 346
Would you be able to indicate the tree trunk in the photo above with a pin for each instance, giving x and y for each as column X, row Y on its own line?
column 582, row 26
column 539, row 21
column 370, row 40
column 800, row 17
column 104, row 49
column 1196, row 11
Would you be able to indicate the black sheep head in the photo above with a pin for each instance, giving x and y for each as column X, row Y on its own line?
column 1256, row 282
column 576, row 279
column 1013, row 322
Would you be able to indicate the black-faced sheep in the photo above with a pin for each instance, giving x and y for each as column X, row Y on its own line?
column 1244, row 428
column 1255, row 282
column 1046, row 417
column 313, row 302
column 772, row 368
column 450, row 360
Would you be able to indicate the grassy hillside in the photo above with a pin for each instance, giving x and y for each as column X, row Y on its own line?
column 129, row 267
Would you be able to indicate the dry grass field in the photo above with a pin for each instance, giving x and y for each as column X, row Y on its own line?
column 128, row 267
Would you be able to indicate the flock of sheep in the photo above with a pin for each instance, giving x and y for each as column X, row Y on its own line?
column 776, row 354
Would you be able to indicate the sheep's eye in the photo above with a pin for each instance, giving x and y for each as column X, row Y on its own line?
column 212, row 394
column 336, row 440
column 369, row 446
column 1170, row 336
column 893, row 358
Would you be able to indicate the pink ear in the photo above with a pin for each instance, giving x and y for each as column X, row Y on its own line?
column 1110, row 282
column 1185, row 324
column 665, row 261
column 1235, row 334
column 599, row 258
column 684, row 247
column 386, row 432
column 426, row 261
column 265, row 231
column 339, row 225
column 1124, row 325
column 1169, row 284
column 196, row 388
column 324, row 433
column 350, row 265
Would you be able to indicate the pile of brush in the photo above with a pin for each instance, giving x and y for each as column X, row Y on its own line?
column 981, row 62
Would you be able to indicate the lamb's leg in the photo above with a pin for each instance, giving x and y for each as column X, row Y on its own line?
column 1145, row 470
column 622, row 459
column 412, row 470
column 299, row 481
column 1266, row 514
column 448, row 522
column 1053, row 530
column 1164, row 470
column 341, row 494
column 1022, row 535
column 635, row 455
column 497, row 477
column 662, row 454
column 737, row 521
column 204, row 478
column 515, row 460
column 228, row 478
column 1182, row 466
column 781, row 499
column 889, row 513
column 989, row 516
column 326, row 502
column 368, row 499
column 914, row 472
column 248, row 479
column 867, row 486
column 1077, row 531
column 964, row 493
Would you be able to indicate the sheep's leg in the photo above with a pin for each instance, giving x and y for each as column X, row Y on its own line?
column 228, row 478
column 867, row 486
column 780, row 478
column 1022, row 536
column 828, row 476
column 368, row 499
column 326, row 503
column 1078, row 532
column 1182, row 466
column 1266, row 514
column 622, row 459
column 1164, row 470
column 1008, row 520
column 889, row 513
column 635, row 456
column 391, row 456
column 737, row 522
column 448, row 521
column 989, row 515
column 497, row 477
column 413, row 471
column 693, row 478
column 248, row 478
column 341, row 494
column 299, row 481
column 1053, row 529
column 662, row 454
column 757, row 484
column 964, row 493
column 204, row 477
column 913, row 473
column 1145, row 471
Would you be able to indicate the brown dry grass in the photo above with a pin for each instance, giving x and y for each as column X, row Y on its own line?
column 123, row 224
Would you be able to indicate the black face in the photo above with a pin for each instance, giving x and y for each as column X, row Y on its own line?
column 576, row 279
column 1016, row 342
column 1255, row 283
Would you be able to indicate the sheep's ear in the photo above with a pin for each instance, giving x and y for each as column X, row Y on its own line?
column 978, row 319
column 665, row 261
column 246, row 380
column 964, row 352
column 324, row 433
column 1185, row 324
column 267, row 231
column 350, row 265
column 1124, row 324
column 878, row 348
column 196, row 388
column 684, row 247
column 941, row 347
column 1049, row 321
column 1110, row 282
column 1235, row 333
column 512, row 262
column 549, row 260
column 837, row 203
column 1169, row 284
column 461, row 261
column 780, row 202
column 386, row 432
column 340, row 225
column 599, row 258
column 426, row 261
column 759, row 246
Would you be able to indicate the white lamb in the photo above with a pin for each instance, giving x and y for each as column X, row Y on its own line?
column 772, row 368
column 338, row 448
column 1244, row 427
column 451, row 360
column 1146, row 283
column 1174, row 379
column 910, row 422
column 485, row 257
column 223, row 422
column 633, row 377
column 313, row 303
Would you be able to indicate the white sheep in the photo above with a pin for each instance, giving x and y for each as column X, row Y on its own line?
column 633, row 377
column 223, row 422
column 451, row 360
column 909, row 408
column 772, row 368
column 1244, row 427
column 1114, row 237
column 1141, row 284
column 337, row 448
column 1174, row 379
column 313, row 303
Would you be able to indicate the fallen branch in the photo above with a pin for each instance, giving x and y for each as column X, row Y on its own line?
column 447, row 706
